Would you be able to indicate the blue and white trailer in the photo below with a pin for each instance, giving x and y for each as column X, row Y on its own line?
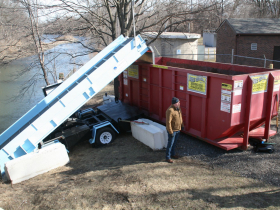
column 100, row 126
column 26, row 133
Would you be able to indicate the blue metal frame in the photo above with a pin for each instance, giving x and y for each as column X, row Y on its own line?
column 98, row 126
column 25, row 134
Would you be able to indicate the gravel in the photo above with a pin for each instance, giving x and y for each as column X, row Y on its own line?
column 250, row 164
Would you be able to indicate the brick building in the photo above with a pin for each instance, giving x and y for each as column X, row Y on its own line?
column 249, row 37
column 174, row 44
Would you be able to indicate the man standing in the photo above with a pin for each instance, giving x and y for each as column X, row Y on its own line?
column 174, row 123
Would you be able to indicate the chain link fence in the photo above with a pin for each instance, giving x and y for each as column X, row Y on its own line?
column 211, row 56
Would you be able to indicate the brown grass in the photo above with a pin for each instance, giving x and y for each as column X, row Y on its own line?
column 128, row 175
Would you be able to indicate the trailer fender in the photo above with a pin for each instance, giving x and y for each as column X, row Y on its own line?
column 99, row 126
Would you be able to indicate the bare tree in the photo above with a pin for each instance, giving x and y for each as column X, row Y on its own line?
column 22, row 37
column 12, row 30
column 36, row 34
column 107, row 19
column 102, row 20
column 266, row 8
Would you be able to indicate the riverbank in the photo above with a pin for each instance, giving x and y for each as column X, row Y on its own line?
column 13, row 50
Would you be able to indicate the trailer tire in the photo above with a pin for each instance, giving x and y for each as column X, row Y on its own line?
column 105, row 136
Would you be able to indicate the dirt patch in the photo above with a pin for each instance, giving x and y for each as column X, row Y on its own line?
column 129, row 175
column 259, row 166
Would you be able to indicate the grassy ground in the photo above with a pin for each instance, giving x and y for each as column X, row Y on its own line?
column 128, row 175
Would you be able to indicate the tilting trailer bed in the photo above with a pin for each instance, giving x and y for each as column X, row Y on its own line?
column 26, row 133
column 100, row 126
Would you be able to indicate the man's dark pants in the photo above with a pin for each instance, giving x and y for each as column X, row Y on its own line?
column 172, row 140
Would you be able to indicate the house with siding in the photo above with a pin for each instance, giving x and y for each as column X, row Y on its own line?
column 174, row 44
column 258, row 38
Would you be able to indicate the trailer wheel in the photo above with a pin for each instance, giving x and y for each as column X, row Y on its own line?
column 105, row 136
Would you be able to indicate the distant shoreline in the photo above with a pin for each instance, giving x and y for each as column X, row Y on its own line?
column 17, row 50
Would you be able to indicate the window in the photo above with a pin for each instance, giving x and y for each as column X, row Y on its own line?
column 254, row 46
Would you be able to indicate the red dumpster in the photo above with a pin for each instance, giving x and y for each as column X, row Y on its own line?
column 222, row 104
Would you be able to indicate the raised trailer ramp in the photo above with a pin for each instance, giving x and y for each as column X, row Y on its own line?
column 25, row 134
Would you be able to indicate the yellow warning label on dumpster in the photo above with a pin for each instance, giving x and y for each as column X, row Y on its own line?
column 133, row 71
column 161, row 67
column 259, row 83
column 197, row 84
column 276, row 85
column 226, row 86
column 276, row 82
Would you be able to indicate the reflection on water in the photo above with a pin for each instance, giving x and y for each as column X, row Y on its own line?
column 61, row 61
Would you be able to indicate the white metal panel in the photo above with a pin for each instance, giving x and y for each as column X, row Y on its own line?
column 58, row 112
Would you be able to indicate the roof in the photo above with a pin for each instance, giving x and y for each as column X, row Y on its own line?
column 254, row 26
column 171, row 35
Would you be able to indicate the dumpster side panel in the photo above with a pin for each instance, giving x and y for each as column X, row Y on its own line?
column 123, row 88
column 154, row 100
column 135, row 93
column 167, row 92
column 144, row 96
column 259, row 109
column 179, row 82
column 154, row 79
column 230, row 107
column 144, row 87
column 195, row 116
column 167, row 79
column 240, row 85
column 167, row 97
column 201, row 112
column 218, row 110
column 276, row 90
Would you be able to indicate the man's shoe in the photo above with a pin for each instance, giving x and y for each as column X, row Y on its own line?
column 169, row 161
column 175, row 157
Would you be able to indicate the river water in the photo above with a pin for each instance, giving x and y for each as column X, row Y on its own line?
column 10, row 86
